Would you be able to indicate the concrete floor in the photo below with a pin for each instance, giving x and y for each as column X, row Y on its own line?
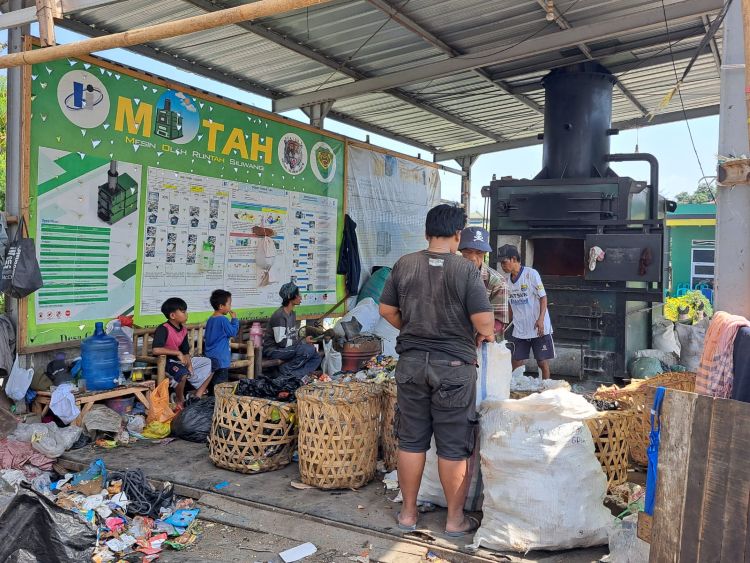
column 324, row 516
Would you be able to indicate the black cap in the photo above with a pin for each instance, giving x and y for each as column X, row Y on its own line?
column 508, row 251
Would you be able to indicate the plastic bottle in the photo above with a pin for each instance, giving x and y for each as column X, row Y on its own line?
column 256, row 333
column 101, row 365
column 124, row 346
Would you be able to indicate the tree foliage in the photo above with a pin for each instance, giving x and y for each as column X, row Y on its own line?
column 702, row 194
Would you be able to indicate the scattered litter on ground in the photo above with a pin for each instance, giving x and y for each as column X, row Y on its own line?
column 297, row 553
column 391, row 481
column 222, row 485
column 93, row 515
column 301, row 486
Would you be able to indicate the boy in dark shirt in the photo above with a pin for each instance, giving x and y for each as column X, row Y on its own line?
column 170, row 339
column 219, row 330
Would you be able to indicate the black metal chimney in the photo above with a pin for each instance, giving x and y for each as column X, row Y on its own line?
column 577, row 118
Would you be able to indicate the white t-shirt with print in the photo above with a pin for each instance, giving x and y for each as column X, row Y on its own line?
column 524, row 298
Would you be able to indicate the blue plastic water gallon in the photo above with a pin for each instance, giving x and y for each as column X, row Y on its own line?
column 100, row 363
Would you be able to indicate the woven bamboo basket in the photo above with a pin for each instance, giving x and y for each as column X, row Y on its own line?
column 638, row 397
column 251, row 435
column 609, row 429
column 388, row 440
column 338, row 435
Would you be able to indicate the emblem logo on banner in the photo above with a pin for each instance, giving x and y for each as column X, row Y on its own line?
column 83, row 99
column 292, row 154
column 323, row 161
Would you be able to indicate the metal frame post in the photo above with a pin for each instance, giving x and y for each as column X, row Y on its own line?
column 318, row 113
column 732, row 268
column 14, row 150
column 466, row 162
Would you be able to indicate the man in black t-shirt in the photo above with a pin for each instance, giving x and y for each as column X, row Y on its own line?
column 438, row 301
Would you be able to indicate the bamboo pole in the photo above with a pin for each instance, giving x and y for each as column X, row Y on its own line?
column 245, row 12
column 746, row 35
column 46, row 12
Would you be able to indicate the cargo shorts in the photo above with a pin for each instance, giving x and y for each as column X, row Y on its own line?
column 436, row 396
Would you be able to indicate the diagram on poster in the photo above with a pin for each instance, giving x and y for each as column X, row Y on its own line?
column 203, row 233
column 86, row 214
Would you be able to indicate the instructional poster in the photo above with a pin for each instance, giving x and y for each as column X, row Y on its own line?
column 391, row 196
column 141, row 190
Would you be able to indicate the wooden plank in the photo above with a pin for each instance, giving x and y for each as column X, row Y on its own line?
column 46, row 12
column 734, row 420
column 716, row 486
column 23, row 304
column 672, row 476
column 699, row 432
column 645, row 526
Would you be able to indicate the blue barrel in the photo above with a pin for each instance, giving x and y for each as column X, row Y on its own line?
column 374, row 285
column 99, row 361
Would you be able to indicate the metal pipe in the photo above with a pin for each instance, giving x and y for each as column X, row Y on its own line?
column 654, row 180
column 112, row 176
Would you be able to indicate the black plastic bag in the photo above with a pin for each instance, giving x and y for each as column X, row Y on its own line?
column 193, row 423
column 281, row 388
column 21, row 275
column 32, row 528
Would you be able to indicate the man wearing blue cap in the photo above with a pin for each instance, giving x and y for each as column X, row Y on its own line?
column 474, row 246
column 282, row 342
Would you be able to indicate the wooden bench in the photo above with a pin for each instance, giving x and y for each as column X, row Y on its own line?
column 143, row 345
column 85, row 401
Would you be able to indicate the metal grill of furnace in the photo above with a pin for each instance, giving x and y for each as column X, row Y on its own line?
column 601, row 316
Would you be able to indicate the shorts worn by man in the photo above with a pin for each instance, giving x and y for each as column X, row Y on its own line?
column 532, row 328
column 438, row 301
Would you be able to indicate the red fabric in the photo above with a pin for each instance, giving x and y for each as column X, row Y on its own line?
column 174, row 337
column 14, row 455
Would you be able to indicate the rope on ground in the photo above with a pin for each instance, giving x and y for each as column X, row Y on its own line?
column 143, row 498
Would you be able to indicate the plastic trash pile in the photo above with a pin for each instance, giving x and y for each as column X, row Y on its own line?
column 131, row 519
column 378, row 369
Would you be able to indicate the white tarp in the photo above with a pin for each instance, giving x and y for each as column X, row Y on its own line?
column 388, row 198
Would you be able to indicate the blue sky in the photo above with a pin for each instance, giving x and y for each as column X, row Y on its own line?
column 679, row 168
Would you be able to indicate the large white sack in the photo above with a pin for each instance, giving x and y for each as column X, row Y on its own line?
column 388, row 334
column 664, row 337
column 543, row 486
column 367, row 312
column 493, row 380
column 691, row 338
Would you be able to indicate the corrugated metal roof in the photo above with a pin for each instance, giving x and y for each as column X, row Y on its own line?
column 343, row 41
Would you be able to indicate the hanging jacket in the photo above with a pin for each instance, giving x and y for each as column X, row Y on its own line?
column 349, row 262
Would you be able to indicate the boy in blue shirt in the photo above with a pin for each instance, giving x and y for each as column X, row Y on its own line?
column 219, row 330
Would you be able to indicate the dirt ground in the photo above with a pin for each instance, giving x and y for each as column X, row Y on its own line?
column 252, row 518
column 227, row 543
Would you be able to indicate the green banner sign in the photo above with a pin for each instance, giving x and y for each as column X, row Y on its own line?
column 142, row 190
